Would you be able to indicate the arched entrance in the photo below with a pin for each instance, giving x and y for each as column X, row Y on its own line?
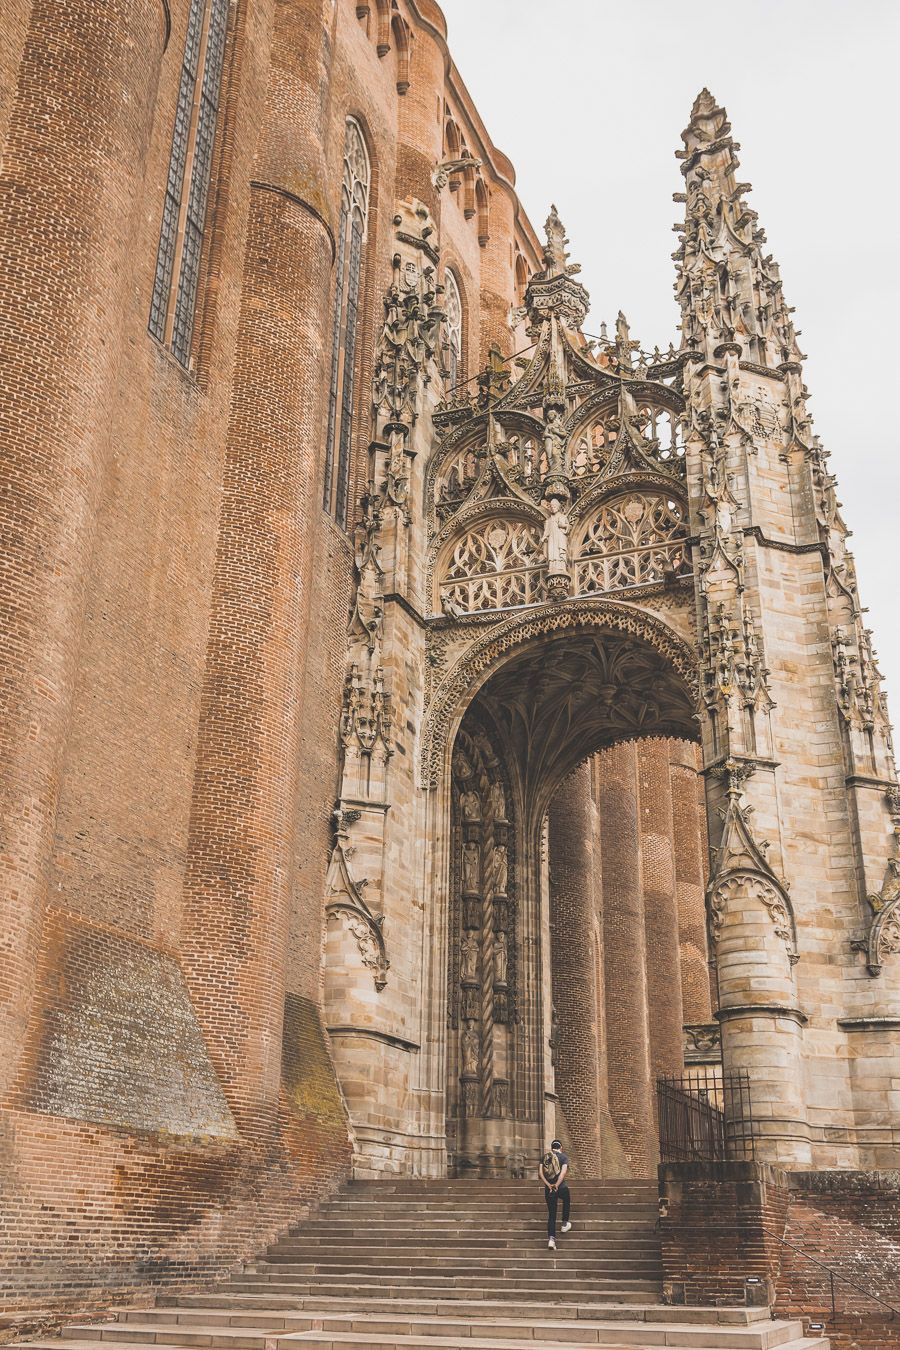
column 568, row 913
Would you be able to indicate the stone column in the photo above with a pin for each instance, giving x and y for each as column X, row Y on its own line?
column 627, row 1028
column 574, row 972
column 78, row 128
column 689, row 834
column 664, row 1005
column 242, row 847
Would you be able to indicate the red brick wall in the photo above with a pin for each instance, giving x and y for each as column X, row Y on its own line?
column 174, row 606
column 849, row 1221
column 574, row 967
column 722, row 1225
column 725, row 1222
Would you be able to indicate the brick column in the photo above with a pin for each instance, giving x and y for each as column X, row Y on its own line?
column 574, row 970
column 664, row 1007
column 627, row 1028
column 77, row 134
column 241, row 853
column 689, row 832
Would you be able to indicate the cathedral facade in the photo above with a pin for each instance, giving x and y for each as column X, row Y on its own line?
column 426, row 723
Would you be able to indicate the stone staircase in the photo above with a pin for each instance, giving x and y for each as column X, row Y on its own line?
column 432, row 1265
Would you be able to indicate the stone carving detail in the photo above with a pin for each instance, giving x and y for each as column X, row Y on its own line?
column 883, row 937
column 632, row 541
column 493, row 566
column 703, row 1043
column 409, row 334
column 482, row 974
column 730, row 292
column 742, row 872
column 344, row 898
column 512, row 632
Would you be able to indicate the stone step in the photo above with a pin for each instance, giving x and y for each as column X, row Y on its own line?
column 549, row 1291
column 246, row 1306
column 513, row 1269
column 547, row 1268
column 406, row 1330
column 587, row 1241
column 462, row 1253
column 318, row 1340
column 527, row 1223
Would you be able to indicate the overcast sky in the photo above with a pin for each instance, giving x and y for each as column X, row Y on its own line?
column 589, row 97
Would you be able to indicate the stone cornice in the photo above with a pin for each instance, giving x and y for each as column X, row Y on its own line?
column 755, row 532
column 774, row 1010
column 869, row 1023
column 386, row 1038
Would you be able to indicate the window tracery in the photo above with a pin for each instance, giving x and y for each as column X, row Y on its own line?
column 183, row 225
column 634, row 540
column 494, row 565
column 351, row 237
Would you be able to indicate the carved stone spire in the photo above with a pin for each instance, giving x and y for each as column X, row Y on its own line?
column 730, row 291
column 553, row 291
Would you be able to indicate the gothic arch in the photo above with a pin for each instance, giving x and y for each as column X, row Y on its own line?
column 511, row 637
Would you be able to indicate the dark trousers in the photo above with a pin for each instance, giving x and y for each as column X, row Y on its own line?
column 553, row 1198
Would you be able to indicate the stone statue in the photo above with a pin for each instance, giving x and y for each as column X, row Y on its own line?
column 556, row 539
column 501, row 955
column 470, row 1045
column 471, row 805
column 554, row 441
column 468, row 958
column 498, row 800
column 470, row 868
column 501, row 869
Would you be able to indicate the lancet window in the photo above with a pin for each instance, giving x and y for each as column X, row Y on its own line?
column 174, row 298
column 494, row 565
column 634, row 540
column 453, row 330
column 351, row 238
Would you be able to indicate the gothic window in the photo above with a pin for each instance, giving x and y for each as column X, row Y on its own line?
column 662, row 428
column 453, row 331
column 482, row 205
column 342, row 375
column 494, row 565
column 633, row 540
column 173, row 302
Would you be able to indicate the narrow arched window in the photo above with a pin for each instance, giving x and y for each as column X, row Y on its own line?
column 175, row 282
column 351, row 237
column 453, row 312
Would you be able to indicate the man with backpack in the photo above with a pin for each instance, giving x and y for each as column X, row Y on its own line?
column 553, row 1171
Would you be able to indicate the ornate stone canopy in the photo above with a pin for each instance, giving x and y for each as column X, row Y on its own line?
column 562, row 699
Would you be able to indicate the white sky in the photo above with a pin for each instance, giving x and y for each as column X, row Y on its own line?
column 588, row 98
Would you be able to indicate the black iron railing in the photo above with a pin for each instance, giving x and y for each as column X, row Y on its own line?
column 705, row 1116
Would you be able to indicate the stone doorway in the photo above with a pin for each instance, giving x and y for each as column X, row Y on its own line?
column 577, row 934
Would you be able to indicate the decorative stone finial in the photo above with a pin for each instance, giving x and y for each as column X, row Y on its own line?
column 555, row 255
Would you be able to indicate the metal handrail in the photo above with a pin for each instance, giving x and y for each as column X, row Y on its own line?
column 831, row 1272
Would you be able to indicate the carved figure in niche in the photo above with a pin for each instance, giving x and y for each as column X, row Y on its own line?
column 501, row 958
column 470, row 868
column 501, row 869
column 468, row 958
column 470, row 1044
column 498, row 800
column 554, row 440
column 471, row 805
column 461, row 766
column 556, row 539
column 452, row 488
